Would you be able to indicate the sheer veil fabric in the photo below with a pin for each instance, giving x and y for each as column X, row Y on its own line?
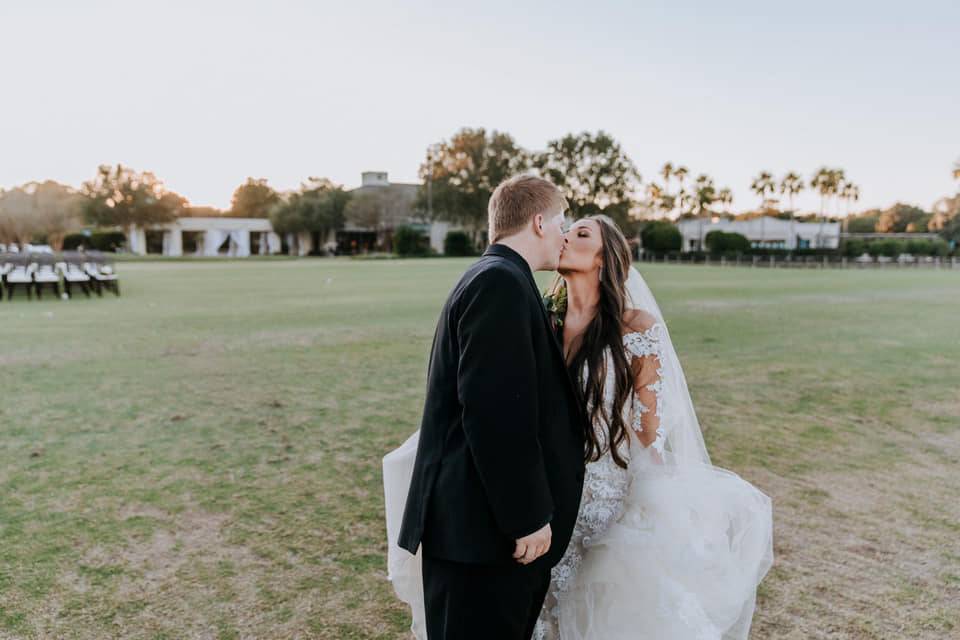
column 684, row 560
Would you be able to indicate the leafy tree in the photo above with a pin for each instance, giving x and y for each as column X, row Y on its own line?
column 946, row 218
column 661, row 236
column 367, row 209
column 119, row 196
column 253, row 199
column 595, row 175
column 459, row 175
column 318, row 207
column 902, row 218
column 40, row 210
column 865, row 222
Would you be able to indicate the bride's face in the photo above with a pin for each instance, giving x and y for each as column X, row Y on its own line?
column 581, row 251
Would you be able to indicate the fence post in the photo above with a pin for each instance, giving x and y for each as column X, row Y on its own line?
column 772, row 265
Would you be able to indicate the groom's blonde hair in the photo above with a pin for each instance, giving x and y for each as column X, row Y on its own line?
column 517, row 200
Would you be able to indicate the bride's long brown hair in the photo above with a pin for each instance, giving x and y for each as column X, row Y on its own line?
column 603, row 332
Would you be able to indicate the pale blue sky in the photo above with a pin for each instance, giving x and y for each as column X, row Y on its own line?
column 207, row 93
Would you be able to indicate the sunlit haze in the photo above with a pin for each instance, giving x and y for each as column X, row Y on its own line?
column 205, row 94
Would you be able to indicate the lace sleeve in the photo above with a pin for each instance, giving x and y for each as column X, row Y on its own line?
column 647, row 403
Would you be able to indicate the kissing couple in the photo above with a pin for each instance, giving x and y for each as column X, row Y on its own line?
column 559, row 486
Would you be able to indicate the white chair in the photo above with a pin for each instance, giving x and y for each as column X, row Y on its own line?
column 19, row 273
column 73, row 273
column 101, row 274
column 45, row 273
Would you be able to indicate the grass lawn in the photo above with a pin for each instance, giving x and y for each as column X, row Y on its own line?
column 200, row 458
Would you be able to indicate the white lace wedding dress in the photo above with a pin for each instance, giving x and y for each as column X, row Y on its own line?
column 660, row 550
column 670, row 548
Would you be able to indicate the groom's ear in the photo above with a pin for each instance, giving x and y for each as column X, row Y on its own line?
column 538, row 223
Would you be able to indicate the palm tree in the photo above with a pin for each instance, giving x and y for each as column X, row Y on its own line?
column 680, row 173
column 761, row 184
column 667, row 173
column 655, row 196
column 725, row 197
column 791, row 185
column 838, row 178
column 825, row 182
column 705, row 194
column 849, row 192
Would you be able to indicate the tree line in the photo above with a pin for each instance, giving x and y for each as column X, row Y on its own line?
column 458, row 176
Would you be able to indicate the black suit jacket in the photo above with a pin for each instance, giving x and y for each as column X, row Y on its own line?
column 502, row 436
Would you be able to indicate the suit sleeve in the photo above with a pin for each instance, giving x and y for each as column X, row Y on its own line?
column 497, row 388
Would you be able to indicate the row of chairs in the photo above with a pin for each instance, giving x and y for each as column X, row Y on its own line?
column 89, row 270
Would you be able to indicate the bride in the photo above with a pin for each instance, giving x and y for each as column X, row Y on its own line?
column 666, row 545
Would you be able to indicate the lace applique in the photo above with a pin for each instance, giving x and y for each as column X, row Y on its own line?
column 641, row 344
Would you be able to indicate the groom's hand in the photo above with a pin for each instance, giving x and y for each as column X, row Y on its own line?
column 531, row 547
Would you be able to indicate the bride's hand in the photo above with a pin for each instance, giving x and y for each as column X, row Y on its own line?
column 531, row 547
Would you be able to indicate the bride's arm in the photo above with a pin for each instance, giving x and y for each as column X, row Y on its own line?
column 646, row 394
column 643, row 344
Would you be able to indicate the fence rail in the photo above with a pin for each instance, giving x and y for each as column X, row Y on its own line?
column 809, row 262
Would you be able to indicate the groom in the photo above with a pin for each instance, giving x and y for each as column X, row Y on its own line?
column 499, row 468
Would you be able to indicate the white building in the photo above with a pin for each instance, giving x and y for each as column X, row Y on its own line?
column 395, row 205
column 238, row 237
column 765, row 232
column 397, row 201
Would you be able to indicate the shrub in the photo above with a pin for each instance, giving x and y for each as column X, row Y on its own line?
column 889, row 247
column 661, row 236
column 940, row 247
column 722, row 242
column 98, row 240
column 919, row 247
column 458, row 243
column 407, row 241
column 854, row 248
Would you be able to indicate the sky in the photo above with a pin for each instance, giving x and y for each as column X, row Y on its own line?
column 207, row 93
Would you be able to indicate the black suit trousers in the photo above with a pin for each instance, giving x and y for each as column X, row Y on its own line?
column 482, row 602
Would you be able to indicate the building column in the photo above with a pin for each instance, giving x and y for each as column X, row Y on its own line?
column 173, row 241
column 137, row 241
column 273, row 243
column 211, row 242
column 243, row 243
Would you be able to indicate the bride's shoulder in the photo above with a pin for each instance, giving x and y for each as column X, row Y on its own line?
column 639, row 332
column 638, row 321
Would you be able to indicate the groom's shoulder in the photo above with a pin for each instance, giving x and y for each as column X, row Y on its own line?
column 489, row 276
column 492, row 270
